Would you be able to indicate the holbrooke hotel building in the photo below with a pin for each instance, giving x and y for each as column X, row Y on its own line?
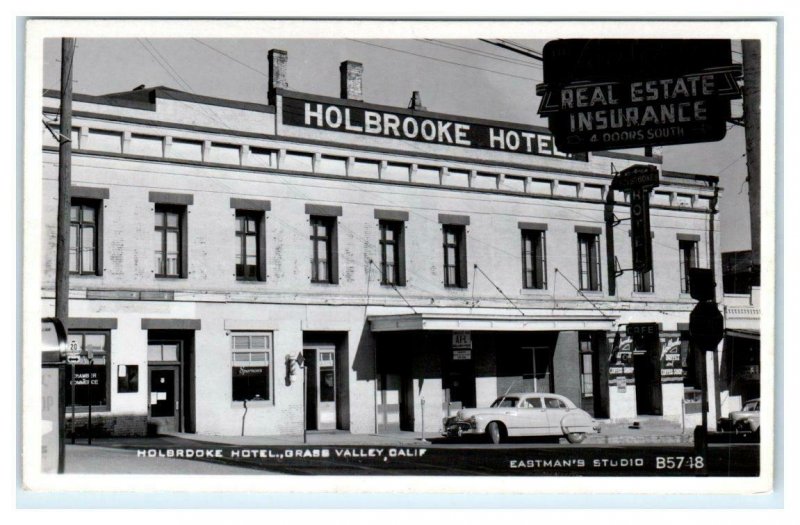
column 419, row 262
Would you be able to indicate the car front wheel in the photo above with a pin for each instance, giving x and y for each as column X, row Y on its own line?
column 494, row 432
column 576, row 437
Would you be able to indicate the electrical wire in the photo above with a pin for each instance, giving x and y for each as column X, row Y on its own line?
column 444, row 61
column 483, row 54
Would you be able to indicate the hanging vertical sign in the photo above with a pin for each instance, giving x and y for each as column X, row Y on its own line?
column 641, row 244
column 637, row 181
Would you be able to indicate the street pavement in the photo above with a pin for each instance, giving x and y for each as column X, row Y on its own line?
column 103, row 459
column 654, row 447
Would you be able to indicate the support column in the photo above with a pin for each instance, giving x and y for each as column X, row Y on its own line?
column 566, row 366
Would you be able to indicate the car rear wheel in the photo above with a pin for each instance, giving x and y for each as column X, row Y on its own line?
column 576, row 437
column 494, row 432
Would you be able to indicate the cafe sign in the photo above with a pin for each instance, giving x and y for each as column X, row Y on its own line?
column 601, row 94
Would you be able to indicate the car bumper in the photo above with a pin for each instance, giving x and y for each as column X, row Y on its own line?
column 458, row 428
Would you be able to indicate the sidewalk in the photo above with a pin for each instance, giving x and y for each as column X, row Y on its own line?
column 650, row 430
column 653, row 430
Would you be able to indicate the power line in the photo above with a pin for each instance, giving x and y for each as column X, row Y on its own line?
column 516, row 48
column 484, row 54
column 248, row 66
column 445, row 61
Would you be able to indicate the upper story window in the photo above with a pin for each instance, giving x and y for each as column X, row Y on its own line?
column 455, row 255
column 392, row 271
column 644, row 282
column 83, row 236
column 589, row 261
column 248, row 236
column 251, row 242
column 323, row 220
column 688, row 259
column 322, row 231
column 533, row 259
column 169, row 232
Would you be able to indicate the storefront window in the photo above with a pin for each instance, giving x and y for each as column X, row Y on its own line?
column 91, row 375
column 251, row 373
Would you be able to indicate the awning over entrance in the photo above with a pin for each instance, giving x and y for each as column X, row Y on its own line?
column 489, row 323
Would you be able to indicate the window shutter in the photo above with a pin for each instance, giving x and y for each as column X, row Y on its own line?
column 262, row 247
column 401, row 254
column 184, row 255
column 462, row 258
column 522, row 260
column 334, row 242
column 98, row 219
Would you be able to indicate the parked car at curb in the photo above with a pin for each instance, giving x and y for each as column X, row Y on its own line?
column 523, row 414
column 748, row 419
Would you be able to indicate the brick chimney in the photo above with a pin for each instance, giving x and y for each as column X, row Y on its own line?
column 416, row 102
column 277, row 72
column 350, row 75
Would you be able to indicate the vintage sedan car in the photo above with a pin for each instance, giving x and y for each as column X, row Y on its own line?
column 523, row 414
column 748, row 419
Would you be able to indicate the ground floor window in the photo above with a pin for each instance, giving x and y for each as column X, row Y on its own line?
column 251, row 370
column 91, row 375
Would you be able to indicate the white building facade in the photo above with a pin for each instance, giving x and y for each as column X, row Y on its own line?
column 411, row 257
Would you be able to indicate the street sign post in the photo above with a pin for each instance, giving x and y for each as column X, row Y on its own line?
column 706, row 329
column 706, row 325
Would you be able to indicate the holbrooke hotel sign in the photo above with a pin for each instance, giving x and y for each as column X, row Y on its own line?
column 379, row 122
column 605, row 94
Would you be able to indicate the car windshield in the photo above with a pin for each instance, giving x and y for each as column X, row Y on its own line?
column 505, row 402
column 752, row 406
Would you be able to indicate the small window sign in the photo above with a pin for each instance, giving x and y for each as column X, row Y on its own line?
column 462, row 355
column 462, row 340
column 127, row 378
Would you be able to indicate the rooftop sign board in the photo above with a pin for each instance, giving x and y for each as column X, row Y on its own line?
column 612, row 93
column 367, row 119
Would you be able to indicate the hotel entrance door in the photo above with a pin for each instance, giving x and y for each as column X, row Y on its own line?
column 320, row 388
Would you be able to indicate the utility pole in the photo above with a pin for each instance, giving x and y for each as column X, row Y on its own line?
column 64, row 182
column 751, row 65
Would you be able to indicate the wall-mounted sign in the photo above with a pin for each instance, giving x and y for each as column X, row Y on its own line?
column 641, row 242
column 642, row 329
column 671, row 365
column 462, row 355
column 462, row 340
column 405, row 125
column 638, row 176
column 620, row 363
column 603, row 94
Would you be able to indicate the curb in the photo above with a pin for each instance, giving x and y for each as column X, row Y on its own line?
column 638, row 440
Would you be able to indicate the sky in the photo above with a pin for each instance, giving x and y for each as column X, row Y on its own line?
column 460, row 77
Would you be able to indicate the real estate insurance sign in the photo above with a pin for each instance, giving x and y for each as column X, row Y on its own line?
column 608, row 94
